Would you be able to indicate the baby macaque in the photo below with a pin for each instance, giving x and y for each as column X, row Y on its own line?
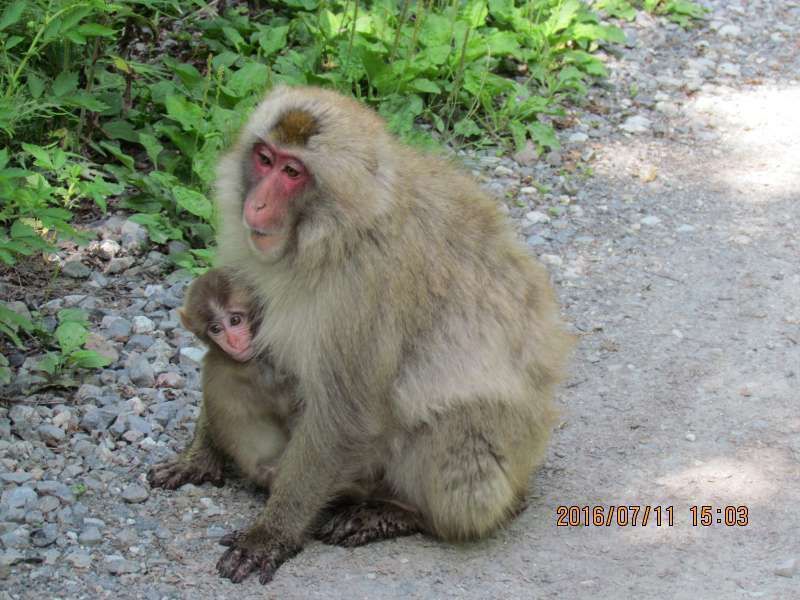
column 247, row 405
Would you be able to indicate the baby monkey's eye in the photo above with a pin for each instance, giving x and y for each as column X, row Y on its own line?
column 236, row 320
column 215, row 329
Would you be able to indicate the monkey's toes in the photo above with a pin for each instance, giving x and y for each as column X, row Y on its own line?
column 238, row 561
column 172, row 475
column 368, row 522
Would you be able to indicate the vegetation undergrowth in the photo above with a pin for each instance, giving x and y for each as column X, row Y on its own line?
column 131, row 101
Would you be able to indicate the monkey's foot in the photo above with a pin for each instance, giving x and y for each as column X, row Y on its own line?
column 172, row 474
column 367, row 522
column 253, row 550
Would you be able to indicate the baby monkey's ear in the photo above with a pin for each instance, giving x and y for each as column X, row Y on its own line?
column 186, row 321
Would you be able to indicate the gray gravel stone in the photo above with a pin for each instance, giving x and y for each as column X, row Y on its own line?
column 10, row 558
column 141, row 372
column 192, row 356
column 119, row 329
column 142, row 324
column 140, row 342
column 44, row 536
column 90, row 536
column 55, row 488
column 119, row 265
column 650, row 220
column 108, row 249
column 76, row 269
column 19, row 477
column 79, row 559
column 48, row 504
column 636, row 124
column 23, row 497
column 16, row 538
column 117, row 565
column 788, row 568
column 98, row 419
column 134, row 236
column 51, row 435
column 135, row 493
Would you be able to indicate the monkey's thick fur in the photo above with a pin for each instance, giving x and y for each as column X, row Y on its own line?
column 425, row 338
column 247, row 409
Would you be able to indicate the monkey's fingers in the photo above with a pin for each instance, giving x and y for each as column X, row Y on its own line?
column 367, row 522
column 229, row 539
column 174, row 474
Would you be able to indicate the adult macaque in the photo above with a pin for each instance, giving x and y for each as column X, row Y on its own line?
column 246, row 405
column 424, row 338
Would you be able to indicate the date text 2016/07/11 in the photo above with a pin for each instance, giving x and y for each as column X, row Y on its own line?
column 637, row 515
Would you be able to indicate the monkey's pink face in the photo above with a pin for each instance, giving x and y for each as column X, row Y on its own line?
column 230, row 330
column 277, row 178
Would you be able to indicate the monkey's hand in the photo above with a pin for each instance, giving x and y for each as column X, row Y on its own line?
column 254, row 550
column 172, row 474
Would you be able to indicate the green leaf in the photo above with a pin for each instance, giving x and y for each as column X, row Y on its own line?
column 426, row 86
column 563, row 17
column 188, row 74
column 158, row 227
column 436, row 30
column 152, row 146
column 73, row 315
column 543, row 135
column 5, row 372
column 70, row 336
column 194, row 202
column 504, row 43
column 115, row 150
column 12, row 14
column 234, row 37
column 189, row 115
column 88, row 359
column 15, row 320
column 272, row 39
column 49, row 363
column 591, row 32
column 35, row 85
column 467, row 128
column 3, row 157
column 252, row 77
column 304, row 4
column 20, row 230
column 519, row 134
column 41, row 155
column 65, row 83
column 329, row 23
column 475, row 13
column 83, row 99
column 95, row 30
column 121, row 130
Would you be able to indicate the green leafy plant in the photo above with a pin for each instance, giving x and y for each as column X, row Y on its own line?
column 69, row 339
column 682, row 12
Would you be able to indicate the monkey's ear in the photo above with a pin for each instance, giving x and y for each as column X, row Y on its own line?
column 185, row 320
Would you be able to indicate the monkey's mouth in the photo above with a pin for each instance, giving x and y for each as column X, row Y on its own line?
column 265, row 241
column 244, row 355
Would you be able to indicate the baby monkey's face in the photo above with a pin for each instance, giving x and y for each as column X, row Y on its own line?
column 230, row 328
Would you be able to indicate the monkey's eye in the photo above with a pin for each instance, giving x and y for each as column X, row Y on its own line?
column 291, row 171
column 215, row 329
column 264, row 158
column 236, row 320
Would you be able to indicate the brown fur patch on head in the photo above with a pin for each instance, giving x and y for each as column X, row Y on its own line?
column 294, row 128
column 214, row 286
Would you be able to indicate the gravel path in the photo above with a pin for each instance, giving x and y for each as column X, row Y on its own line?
column 669, row 221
